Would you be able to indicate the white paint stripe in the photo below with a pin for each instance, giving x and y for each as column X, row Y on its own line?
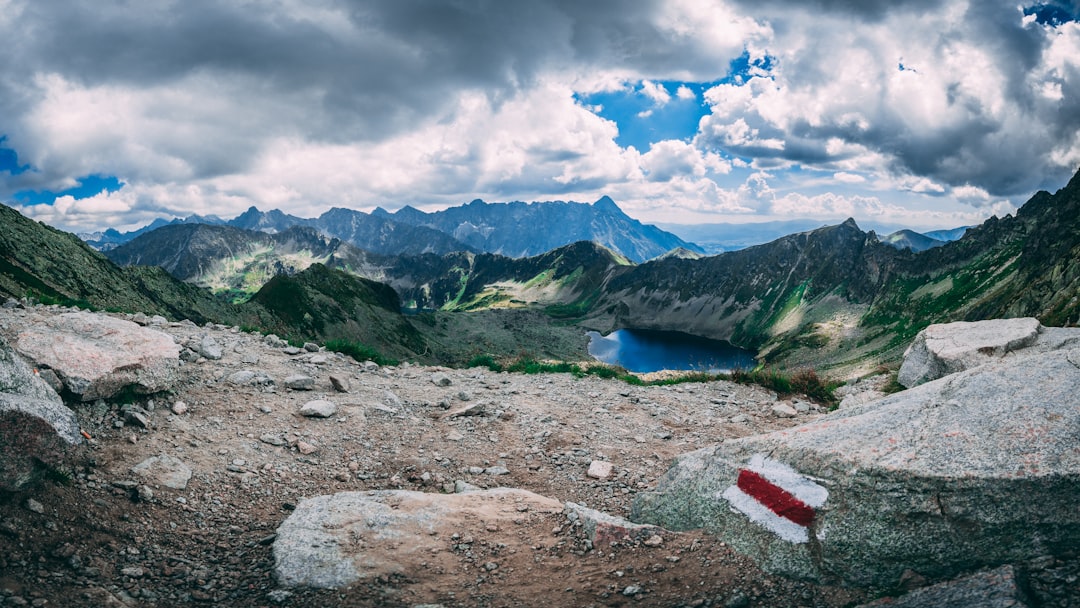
column 761, row 515
column 789, row 479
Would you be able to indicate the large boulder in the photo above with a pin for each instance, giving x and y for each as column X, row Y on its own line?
column 97, row 356
column 35, row 426
column 940, row 350
column 333, row 541
column 979, row 468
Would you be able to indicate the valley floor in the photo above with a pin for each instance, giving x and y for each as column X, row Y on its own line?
column 96, row 541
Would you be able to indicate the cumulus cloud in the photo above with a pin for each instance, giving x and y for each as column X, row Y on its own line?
column 208, row 107
column 988, row 102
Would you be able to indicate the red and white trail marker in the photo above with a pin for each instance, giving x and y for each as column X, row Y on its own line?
column 776, row 497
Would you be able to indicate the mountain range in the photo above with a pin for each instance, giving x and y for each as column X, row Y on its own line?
column 512, row 229
column 834, row 297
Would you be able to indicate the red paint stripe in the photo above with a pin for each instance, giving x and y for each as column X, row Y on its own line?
column 776, row 499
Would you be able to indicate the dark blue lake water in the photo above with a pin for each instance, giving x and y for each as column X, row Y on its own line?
column 645, row 350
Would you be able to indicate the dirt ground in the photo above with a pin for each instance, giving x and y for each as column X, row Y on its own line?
column 103, row 536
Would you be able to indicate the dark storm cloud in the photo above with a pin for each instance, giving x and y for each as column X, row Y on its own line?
column 1000, row 138
column 860, row 9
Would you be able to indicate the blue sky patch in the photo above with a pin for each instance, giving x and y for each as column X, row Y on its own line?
column 90, row 185
column 1053, row 14
column 9, row 160
column 650, row 111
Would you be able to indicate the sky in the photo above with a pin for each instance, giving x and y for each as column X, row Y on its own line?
column 928, row 114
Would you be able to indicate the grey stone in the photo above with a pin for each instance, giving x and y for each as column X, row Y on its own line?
column 35, row 506
column 600, row 469
column 477, row 408
column 320, row 408
column 164, row 470
column 943, row 349
column 997, row 588
column 300, row 382
column 340, row 383
column 497, row 470
column 273, row 439
column 137, row 418
column 783, row 410
column 35, row 425
column 97, row 356
column 975, row 469
column 311, row 347
column 440, row 379
column 333, row 541
column 50, row 378
column 249, row 359
column 603, row 529
column 461, row 486
column 140, row 319
column 179, row 408
column 241, row 378
column 209, row 348
column 860, row 398
column 292, row 350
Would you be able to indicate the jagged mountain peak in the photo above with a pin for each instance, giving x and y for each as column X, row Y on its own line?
column 604, row 203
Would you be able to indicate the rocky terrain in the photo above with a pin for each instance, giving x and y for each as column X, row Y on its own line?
column 177, row 496
column 216, row 467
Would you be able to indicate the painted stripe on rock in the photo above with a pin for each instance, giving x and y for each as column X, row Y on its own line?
column 776, row 497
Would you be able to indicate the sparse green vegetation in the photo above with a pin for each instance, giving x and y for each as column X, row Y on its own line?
column 485, row 361
column 51, row 300
column 802, row 382
column 358, row 351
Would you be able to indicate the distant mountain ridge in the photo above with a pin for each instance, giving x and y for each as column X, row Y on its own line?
column 835, row 298
column 725, row 237
column 511, row 229
column 909, row 239
column 521, row 230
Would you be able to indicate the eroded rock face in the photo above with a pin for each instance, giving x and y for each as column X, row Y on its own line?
column 97, row 356
column 34, row 423
column 943, row 349
column 975, row 469
column 330, row 542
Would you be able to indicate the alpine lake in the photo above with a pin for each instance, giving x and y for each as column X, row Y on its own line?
column 646, row 350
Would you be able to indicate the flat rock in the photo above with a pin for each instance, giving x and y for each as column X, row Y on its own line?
column 943, row 349
column 330, row 542
column 997, row 588
column 599, row 469
column 604, row 530
column 470, row 408
column 164, row 470
column 35, row 425
column 975, row 469
column 319, row 408
column 783, row 410
column 97, row 356
column 242, row 377
column 300, row 382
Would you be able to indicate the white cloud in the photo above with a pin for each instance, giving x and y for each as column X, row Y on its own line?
column 848, row 178
column 656, row 92
column 321, row 103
